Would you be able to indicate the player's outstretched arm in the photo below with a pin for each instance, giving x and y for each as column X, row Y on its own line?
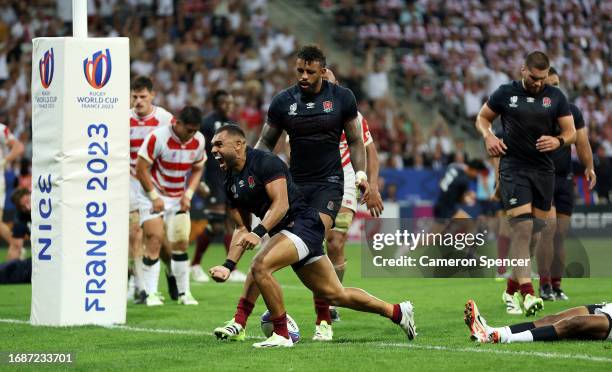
column 268, row 138
column 192, row 185
column 374, row 202
column 484, row 120
column 143, row 174
column 354, row 140
column 222, row 272
column 568, row 129
column 566, row 138
column 585, row 154
column 497, row 193
column 277, row 192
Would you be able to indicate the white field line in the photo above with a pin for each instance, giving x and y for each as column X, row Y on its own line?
column 416, row 346
column 537, row 354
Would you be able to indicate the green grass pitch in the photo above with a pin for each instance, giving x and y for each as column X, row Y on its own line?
column 174, row 337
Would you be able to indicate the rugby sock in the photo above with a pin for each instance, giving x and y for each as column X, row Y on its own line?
column 243, row 311
column 511, row 287
column 169, row 268
column 504, row 333
column 544, row 279
column 150, row 275
column 227, row 241
column 202, row 243
column 397, row 314
column 546, row 333
column 503, row 247
column 138, row 274
column 180, row 268
column 556, row 283
column 526, row 288
column 526, row 336
column 280, row 325
column 322, row 310
column 521, row 327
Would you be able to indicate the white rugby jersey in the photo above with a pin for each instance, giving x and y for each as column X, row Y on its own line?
column 171, row 160
column 140, row 127
column 345, row 152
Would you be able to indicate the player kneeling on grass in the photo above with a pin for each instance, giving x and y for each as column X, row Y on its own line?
column 590, row 322
column 258, row 182
column 164, row 159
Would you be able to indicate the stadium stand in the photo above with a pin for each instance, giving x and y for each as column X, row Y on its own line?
column 447, row 55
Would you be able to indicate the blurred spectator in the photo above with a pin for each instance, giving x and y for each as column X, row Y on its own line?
column 603, row 169
column 451, row 55
column 472, row 47
column 473, row 98
column 376, row 80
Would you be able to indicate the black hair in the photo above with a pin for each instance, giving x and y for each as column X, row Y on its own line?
column 537, row 60
column 231, row 129
column 142, row 82
column 17, row 194
column 553, row 71
column 312, row 53
column 477, row 164
column 190, row 115
column 216, row 98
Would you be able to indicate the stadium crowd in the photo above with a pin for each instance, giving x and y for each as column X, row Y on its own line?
column 455, row 53
column 193, row 47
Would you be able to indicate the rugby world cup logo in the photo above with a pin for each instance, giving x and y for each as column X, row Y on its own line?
column 45, row 68
column 98, row 69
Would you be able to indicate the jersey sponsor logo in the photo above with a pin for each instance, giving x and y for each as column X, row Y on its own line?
column 530, row 100
column 45, row 68
column 328, row 106
column 330, row 205
column 241, row 183
column 251, row 182
column 233, row 189
column 292, row 109
column 98, row 69
column 310, row 105
column 513, row 101
column 513, row 201
column 546, row 102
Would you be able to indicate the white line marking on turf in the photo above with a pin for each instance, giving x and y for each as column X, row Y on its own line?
column 168, row 331
column 379, row 344
column 503, row 352
column 138, row 329
column 14, row 321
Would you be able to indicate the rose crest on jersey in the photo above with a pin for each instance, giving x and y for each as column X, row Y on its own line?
column 328, row 106
column 292, row 109
column 546, row 102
